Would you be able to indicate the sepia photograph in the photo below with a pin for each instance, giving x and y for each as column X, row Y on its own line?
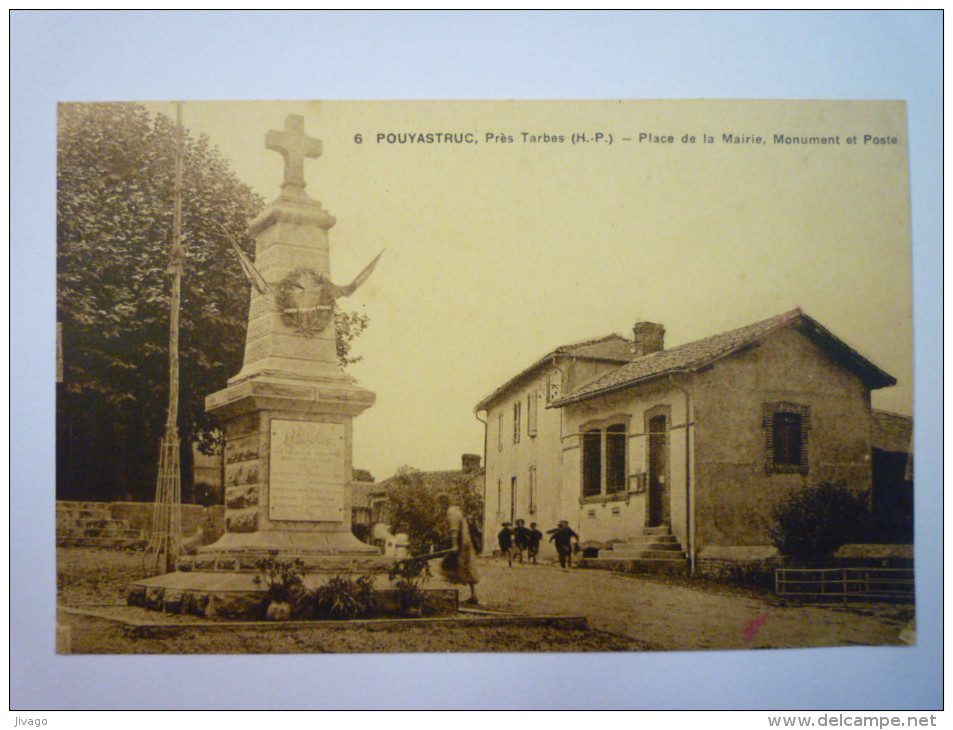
column 476, row 360
column 468, row 376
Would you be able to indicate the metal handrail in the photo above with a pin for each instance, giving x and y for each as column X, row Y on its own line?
column 845, row 583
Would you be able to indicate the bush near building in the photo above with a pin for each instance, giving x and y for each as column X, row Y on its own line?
column 810, row 524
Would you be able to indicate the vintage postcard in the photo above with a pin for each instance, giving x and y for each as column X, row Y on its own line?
column 457, row 376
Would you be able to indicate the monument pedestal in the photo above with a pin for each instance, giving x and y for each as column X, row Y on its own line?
column 288, row 470
column 287, row 496
column 287, row 415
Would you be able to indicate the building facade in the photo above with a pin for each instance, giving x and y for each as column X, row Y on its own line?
column 524, row 436
column 699, row 441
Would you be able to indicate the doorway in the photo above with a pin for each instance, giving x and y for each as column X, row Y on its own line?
column 658, row 508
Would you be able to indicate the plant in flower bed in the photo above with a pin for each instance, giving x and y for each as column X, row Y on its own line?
column 345, row 598
column 284, row 580
column 407, row 578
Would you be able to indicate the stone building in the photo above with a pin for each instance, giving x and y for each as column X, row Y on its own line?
column 654, row 453
column 892, row 436
column 524, row 437
column 362, row 513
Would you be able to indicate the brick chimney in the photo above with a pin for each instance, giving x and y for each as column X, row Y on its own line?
column 647, row 337
column 471, row 463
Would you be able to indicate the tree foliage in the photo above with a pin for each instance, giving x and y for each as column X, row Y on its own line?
column 809, row 524
column 417, row 505
column 115, row 181
column 347, row 327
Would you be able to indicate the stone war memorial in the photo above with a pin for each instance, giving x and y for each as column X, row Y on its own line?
column 287, row 416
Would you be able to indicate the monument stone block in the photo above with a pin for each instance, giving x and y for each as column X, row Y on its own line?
column 307, row 471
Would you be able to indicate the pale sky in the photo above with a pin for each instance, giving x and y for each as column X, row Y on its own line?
column 497, row 252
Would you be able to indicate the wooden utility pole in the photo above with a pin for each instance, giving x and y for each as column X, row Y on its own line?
column 166, row 538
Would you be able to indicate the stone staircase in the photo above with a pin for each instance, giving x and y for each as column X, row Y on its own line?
column 90, row 524
column 656, row 550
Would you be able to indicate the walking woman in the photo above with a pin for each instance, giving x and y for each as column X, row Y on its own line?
column 460, row 566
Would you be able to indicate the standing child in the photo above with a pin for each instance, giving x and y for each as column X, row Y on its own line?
column 505, row 539
column 534, row 537
column 521, row 539
column 564, row 539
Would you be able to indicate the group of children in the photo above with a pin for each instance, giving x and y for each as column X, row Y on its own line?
column 514, row 541
column 459, row 566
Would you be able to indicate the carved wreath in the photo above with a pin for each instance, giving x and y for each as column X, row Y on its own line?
column 305, row 302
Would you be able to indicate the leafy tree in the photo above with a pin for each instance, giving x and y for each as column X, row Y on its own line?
column 361, row 475
column 810, row 524
column 347, row 326
column 417, row 505
column 115, row 178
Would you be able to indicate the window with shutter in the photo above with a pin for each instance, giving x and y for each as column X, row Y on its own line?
column 786, row 427
column 516, row 422
column 615, row 458
column 532, row 490
column 531, row 413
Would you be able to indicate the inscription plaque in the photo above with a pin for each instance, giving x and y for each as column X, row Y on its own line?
column 307, row 478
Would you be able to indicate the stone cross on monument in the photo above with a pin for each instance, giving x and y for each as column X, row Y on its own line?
column 294, row 145
column 287, row 415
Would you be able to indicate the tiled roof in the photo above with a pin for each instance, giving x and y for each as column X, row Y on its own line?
column 612, row 347
column 891, row 431
column 361, row 493
column 431, row 479
column 694, row 355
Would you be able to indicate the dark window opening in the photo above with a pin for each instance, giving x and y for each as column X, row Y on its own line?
column 591, row 463
column 787, row 439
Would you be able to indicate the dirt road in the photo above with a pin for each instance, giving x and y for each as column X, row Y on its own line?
column 663, row 614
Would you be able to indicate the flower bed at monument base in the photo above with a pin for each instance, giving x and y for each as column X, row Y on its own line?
column 251, row 604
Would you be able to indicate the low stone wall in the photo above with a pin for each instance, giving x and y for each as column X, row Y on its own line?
column 874, row 556
column 756, row 563
column 751, row 564
column 138, row 516
column 640, row 565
